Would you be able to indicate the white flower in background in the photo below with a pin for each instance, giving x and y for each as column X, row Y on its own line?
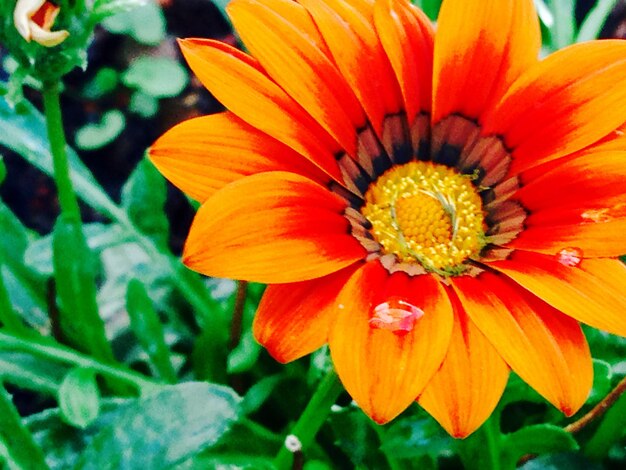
column 33, row 20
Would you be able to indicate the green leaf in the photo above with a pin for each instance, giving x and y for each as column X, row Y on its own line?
column 145, row 23
column 31, row 373
column 148, row 329
column 602, row 375
column 356, row 437
column 609, row 432
column 97, row 135
column 182, row 420
column 75, row 276
column 259, row 393
column 594, row 21
column 143, row 197
column 537, row 439
column 23, row 453
column 245, row 355
column 564, row 461
column 111, row 7
column 3, row 170
column 79, row 397
column 562, row 32
column 159, row 77
column 103, row 83
column 143, row 104
column 415, row 436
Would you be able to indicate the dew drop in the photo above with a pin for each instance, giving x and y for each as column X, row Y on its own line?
column 396, row 315
column 596, row 215
column 570, row 257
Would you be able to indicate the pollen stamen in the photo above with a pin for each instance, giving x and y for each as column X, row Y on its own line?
column 428, row 214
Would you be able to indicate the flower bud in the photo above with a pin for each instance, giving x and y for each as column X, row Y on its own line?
column 33, row 19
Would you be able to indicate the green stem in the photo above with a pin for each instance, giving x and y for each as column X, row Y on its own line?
column 58, row 144
column 312, row 418
column 59, row 353
column 481, row 450
column 22, row 449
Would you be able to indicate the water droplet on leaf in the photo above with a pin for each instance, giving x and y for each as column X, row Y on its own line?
column 396, row 314
column 570, row 257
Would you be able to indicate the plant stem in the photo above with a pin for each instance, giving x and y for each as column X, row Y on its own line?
column 58, row 144
column 598, row 410
column 312, row 418
column 59, row 353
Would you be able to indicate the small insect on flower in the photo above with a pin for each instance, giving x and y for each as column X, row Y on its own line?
column 33, row 19
column 439, row 208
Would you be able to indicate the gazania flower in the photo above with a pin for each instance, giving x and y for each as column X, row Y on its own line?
column 437, row 207
column 34, row 19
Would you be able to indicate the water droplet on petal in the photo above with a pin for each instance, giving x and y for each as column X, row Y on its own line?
column 570, row 257
column 596, row 215
column 396, row 314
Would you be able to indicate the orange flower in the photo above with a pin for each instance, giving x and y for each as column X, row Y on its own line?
column 437, row 207
column 33, row 19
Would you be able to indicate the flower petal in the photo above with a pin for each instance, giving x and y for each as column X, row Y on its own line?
column 407, row 36
column 579, row 203
column 273, row 227
column 566, row 102
column 465, row 390
column 589, row 292
column 382, row 370
column 204, row 154
column 480, row 49
column 293, row 320
column 544, row 347
column 294, row 60
column 378, row 92
column 242, row 86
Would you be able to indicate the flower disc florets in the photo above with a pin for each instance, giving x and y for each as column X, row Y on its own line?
column 427, row 213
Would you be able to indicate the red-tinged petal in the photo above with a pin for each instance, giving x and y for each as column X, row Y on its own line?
column 293, row 320
column 378, row 92
column 566, row 102
column 407, row 36
column 579, row 291
column 465, row 390
column 298, row 65
column 242, row 86
column 546, row 348
column 578, row 203
column 480, row 49
column 202, row 155
column 273, row 227
column 382, row 369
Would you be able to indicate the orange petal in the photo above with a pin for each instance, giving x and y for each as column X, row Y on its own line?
column 293, row 320
column 480, row 49
column 300, row 67
column 242, row 86
column 359, row 56
column 273, row 227
column 578, row 203
column 583, row 292
column 465, row 390
column 568, row 101
column 384, row 370
column 202, row 155
column 544, row 347
column 407, row 36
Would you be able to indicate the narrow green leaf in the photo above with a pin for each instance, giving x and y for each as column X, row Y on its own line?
column 3, row 170
column 143, row 197
column 602, row 375
column 182, row 421
column 145, row 323
column 594, row 21
column 79, row 397
column 75, row 277
column 562, row 31
column 537, row 439
column 259, row 393
column 31, row 373
column 22, row 450
column 245, row 355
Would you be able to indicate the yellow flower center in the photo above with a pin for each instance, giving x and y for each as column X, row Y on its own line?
column 426, row 213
